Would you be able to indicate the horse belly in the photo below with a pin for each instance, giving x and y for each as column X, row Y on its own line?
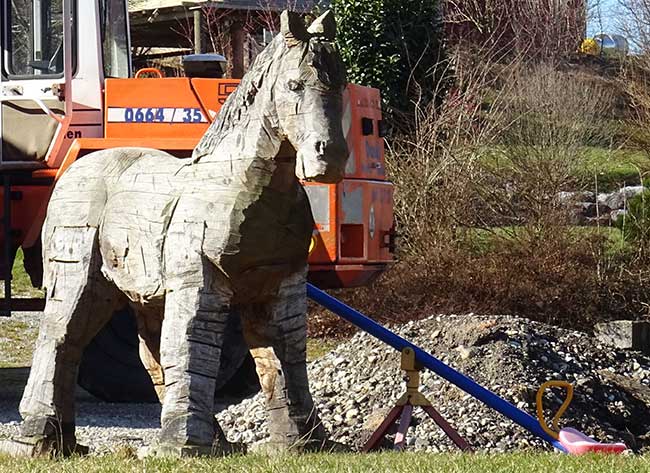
column 131, row 244
column 137, row 212
column 133, row 264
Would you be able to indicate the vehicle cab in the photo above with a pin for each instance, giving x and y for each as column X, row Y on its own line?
column 52, row 81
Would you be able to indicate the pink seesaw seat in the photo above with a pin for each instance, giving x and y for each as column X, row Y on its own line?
column 578, row 443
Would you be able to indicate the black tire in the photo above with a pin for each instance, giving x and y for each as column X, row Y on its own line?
column 111, row 369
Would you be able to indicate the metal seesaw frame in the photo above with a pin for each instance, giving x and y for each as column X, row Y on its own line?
column 465, row 383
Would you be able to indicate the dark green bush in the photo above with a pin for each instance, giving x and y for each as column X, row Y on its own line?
column 635, row 225
column 392, row 45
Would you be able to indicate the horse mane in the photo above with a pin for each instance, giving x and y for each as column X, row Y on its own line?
column 235, row 110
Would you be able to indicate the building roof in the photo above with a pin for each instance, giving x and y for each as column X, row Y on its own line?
column 299, row 5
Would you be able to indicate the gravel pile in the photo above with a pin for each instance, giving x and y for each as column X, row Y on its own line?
column 356, row 384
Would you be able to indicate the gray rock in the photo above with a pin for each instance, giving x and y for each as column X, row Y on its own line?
column 602, row 220
column 352, row 414
column 574, row 197
column 625, row 334
column 591, row 209
column 464, row 352
column 618, row 200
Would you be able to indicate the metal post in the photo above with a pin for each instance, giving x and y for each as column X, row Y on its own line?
column 8, row 244
column 468, row 385
column 198, row 31
column 237, row 46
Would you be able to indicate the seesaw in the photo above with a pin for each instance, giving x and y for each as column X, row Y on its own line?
column 566, row 440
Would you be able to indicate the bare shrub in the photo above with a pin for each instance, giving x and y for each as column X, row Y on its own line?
column 541, row 28
column 635, row 82
column 552, row 118
column 633, row 20
column 481, row 227
column 433, row 166
column 498, row 150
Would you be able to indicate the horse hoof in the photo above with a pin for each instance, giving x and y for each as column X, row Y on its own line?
column 39, row 447
column 268, row 449
column 274, row 448
column 80, row 450
column 166, row 450
column 20, row 448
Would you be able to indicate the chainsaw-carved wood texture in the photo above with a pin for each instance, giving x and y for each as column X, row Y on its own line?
column 188, row 242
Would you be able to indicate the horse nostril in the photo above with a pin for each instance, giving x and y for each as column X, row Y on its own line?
column 320, row 147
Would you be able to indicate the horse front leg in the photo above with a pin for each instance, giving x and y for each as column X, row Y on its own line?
column 149, row 320
column 196, row 313
column 277, row 336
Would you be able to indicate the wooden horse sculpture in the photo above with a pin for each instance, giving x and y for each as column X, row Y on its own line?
column 188, row 242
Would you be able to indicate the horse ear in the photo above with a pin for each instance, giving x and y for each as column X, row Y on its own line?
column 293, row 28
column 324, row 26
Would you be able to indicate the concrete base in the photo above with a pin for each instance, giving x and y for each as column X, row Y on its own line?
column 184, row 451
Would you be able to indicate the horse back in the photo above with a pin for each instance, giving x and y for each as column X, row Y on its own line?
column 85, row 195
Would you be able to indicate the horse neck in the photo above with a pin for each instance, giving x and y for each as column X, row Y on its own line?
column 244, row 134
column 244, row 151
column 243, row 130
column 250, row 139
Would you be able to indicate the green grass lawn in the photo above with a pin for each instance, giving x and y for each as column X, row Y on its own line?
column 482, row 240
column 612, row 168
column 600, row 169
column 385, row 462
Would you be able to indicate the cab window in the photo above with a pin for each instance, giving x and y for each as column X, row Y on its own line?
column 115, row 38
column 32, row 38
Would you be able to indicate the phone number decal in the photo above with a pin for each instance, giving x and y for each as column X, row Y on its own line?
column 156, row 115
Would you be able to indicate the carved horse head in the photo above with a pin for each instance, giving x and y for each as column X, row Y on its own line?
column 291, row 95
column 308, row 97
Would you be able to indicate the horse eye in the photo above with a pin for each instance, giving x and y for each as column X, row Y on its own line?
column 295, row 85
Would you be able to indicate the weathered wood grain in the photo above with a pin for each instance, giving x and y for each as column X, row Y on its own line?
column 190, row 241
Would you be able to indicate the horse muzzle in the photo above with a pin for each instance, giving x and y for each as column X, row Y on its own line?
column 321, row 163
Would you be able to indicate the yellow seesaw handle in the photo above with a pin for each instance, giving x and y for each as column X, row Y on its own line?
column 560, row 411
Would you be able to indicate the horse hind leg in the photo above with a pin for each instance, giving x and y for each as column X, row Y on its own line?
column 80, row 301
